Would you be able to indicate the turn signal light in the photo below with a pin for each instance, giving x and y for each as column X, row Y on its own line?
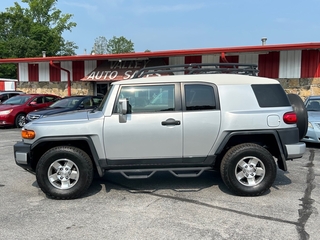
column 28, row 134
column 290, row 118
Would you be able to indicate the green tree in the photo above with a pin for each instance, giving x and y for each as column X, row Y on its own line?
column 100, row 45
column 120, row 45
column 26, row 32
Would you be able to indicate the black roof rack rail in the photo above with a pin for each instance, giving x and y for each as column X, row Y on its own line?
column 200, row 68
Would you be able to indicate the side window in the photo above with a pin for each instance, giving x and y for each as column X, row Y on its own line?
column 270, row 95
column 4, row 97
column 96, row 101
column 50, row 99
column 13, row 94
column 153, row 98
column 38, row 100
column 87, row 103
column 199, row 97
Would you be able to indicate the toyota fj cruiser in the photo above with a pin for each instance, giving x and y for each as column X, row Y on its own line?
column 197, row 117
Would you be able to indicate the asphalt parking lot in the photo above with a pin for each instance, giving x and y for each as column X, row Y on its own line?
column 162, row 207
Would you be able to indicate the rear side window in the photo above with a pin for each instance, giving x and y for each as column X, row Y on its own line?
column 199, row 97
column 270, row 95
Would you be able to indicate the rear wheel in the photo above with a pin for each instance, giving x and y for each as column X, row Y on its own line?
column 64, row 172
column 302, row 114
column 248, row 169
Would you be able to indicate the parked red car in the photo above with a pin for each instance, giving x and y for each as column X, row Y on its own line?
column 14, row 110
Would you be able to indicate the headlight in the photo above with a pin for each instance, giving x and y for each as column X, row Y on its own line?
column 310, row 125
column 6, row 112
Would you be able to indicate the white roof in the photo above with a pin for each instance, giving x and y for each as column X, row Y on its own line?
column 218, row 79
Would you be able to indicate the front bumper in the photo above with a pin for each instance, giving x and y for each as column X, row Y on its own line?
column 22, row 152
column 5, row 120
column 313, row 135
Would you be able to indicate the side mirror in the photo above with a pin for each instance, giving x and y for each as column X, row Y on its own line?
column 124, row 109
column 123, row 106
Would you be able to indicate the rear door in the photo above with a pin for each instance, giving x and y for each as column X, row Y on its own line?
column 201, row 120
column 153, row 128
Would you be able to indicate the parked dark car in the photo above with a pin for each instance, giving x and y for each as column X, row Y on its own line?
column 66, row 104
column 14, row 110
column 4, row 95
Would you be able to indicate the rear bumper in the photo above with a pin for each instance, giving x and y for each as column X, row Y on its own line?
column 295, row 150
column 22, row 155
column 290, row 141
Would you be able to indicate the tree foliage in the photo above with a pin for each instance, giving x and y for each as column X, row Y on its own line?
column 26, row 32
column 100, row 45
column 112, row 46
column 120, row 45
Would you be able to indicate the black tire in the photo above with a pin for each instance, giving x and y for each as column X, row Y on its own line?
column 248, row 169
column 64, row 172
column 302, row 114
column 20, row 120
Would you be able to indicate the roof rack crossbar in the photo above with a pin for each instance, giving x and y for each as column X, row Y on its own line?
column 200, row 68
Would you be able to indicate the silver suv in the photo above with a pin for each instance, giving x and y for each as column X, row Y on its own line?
column 198, row 117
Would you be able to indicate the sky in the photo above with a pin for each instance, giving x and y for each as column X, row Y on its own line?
column 158, row 25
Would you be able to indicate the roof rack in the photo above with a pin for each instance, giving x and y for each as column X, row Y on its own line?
column 199, row 68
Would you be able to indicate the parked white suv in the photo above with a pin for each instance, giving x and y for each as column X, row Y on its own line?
column 215, row 116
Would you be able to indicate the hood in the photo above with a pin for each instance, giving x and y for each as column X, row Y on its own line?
column 7, row 107
column 314, row 116
column 74, row 116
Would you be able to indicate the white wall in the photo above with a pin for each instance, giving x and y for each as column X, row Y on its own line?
column 44, row 74
column 23, row 72
column 64, row 75
column 290, row 64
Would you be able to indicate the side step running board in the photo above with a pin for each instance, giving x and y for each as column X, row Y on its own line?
column 146, row 173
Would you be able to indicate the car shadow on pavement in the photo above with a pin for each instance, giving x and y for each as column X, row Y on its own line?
column 166, row 181
column 158, row 181
column 313, row 145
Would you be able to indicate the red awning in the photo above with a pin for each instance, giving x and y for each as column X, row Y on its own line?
column 120, row 70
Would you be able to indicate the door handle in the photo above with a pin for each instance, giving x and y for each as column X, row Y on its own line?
column 170, row 122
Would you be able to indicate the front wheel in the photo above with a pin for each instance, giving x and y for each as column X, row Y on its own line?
column 64, row 172
column 20, row 120
column 248, row 169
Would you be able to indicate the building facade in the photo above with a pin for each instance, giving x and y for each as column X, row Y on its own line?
column 295, row 66
column 7, row 84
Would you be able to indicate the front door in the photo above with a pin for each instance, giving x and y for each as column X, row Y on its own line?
column 153, row 128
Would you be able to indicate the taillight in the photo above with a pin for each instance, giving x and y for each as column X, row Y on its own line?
column 290, row 118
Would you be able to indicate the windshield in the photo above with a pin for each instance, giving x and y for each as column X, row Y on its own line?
column 17, row 100
column 313, row 105
column 104, row 99
column 66, row 103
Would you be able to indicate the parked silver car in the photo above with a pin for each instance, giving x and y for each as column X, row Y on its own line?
column 313, row 107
